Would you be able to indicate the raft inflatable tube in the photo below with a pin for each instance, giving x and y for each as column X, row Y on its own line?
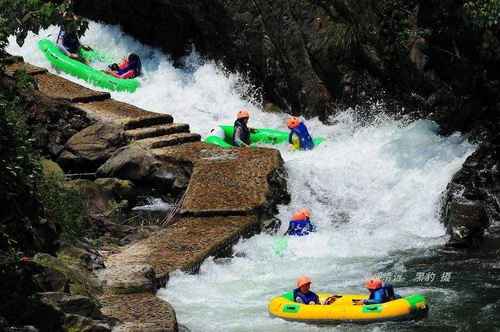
column 260, row 136
column 343, row 310
column 78, row 69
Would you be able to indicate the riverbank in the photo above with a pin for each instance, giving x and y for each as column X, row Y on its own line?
column 223, row 195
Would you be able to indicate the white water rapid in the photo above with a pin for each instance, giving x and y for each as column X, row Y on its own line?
column 374, row 191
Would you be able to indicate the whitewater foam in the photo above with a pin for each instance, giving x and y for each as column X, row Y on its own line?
column 374, row 190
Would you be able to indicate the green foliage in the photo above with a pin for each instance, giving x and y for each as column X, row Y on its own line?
column 18, row 17
column 483, row 13
column 31, row 201
column 19, row 172
column 64, row 206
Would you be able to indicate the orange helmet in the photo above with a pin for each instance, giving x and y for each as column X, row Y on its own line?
column 293, row 122
column 301, row 214
column 243, row 114
column 303, row 280
column 373, row 284
column 306, row 212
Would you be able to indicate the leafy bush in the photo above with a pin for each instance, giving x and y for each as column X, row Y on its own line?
column 483, row 13
column 18, row 175
column 18, row 17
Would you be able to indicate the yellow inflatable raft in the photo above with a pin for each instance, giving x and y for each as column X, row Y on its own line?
column 343, row 309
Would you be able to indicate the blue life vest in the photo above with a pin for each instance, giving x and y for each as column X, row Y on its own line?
column 382, row 295
column 300, row 227
column 306, row 141
column 305, row 298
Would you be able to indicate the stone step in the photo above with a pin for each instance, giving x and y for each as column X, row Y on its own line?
column 11, row 69
column 57, row 87
column 155, row 131
column 169, row 140
column 148, row 121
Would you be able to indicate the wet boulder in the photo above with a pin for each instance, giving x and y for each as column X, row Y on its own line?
column 471, row 210
column 132, row 162
column 71, row 304
column 91, row 147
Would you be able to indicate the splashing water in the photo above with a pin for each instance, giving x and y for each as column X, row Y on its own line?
column 374, row 191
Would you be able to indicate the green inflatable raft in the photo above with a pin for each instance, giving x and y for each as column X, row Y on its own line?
column 260, row 136
column 85, row 72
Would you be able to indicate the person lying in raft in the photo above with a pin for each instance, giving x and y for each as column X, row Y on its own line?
column 299, row 136
column 241, row 132
column 380, row 292
column 128, row 68
column 301, row 224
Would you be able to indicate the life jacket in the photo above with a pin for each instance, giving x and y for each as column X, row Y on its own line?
column 244, row 132
column 308, row 298
column 384, row 294
column 300, row 227
column 126, row 69
column 306, row 141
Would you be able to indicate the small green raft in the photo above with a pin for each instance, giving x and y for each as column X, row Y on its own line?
column 260, row 136
column 85, row 72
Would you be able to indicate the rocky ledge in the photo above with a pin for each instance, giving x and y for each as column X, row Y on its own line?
column 222, row 195
column 471, row 208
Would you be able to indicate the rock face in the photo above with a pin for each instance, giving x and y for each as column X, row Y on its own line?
column 309, row 54
column 92, row 146
column 472, row 202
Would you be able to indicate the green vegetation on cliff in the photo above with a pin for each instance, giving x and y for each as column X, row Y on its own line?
column 483, row 13
column 18, row 17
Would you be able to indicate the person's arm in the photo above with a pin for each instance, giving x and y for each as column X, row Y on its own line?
column 298, row 299
column 128, row 74
column 377, row 299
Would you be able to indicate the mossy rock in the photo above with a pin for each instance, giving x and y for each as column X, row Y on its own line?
column 119, row 189
column 81, row 281
column 51, row 169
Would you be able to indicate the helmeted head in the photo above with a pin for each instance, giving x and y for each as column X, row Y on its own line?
column 293, row 122
column 306, row 212
column 301, row 214
column 304, row 283
column 373, row 284
column 243, row 114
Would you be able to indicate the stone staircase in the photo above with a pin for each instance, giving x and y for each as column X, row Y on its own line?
column 228, row 192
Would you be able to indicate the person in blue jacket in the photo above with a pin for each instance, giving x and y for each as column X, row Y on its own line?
column 303, row 294
column 299, row 135
column 301, row 224
column 380, row 292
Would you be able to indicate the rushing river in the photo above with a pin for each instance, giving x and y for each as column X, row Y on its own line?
column 374, row 190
